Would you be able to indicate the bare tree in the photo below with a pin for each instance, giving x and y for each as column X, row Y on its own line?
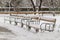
column 15, row 3
column 40, row 5
column 33, row 5
column 51, row 2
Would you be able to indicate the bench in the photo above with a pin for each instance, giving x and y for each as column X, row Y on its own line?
column 48, row 20
column 31, row 26
column 15, row 19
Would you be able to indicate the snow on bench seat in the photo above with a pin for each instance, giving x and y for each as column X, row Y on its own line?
column 47, row 19
column 36, row 27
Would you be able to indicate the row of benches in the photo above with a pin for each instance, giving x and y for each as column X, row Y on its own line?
column 29, row 19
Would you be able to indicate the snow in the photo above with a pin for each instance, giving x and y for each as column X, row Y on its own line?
column 18, row 33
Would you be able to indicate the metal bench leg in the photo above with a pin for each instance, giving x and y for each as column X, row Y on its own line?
column 45, row 26
column 21, row 24
column 15, row 23
column 29, row 27
column 10, row 22
column 37, row 30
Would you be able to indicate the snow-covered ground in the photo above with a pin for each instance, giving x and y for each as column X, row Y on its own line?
column 18, row 33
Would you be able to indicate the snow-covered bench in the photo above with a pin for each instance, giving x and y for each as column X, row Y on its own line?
column 15, row 19
column 52, row 22
column 9, row 18
column 37, row 28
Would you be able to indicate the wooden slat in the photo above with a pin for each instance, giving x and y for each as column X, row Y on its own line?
column 48, row 19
